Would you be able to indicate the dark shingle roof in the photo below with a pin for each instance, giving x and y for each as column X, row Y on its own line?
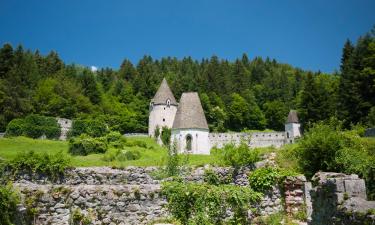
column 292, row 117
column 190, row 113
column 163, row 94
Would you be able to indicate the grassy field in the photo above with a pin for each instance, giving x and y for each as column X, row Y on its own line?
column 153, row 155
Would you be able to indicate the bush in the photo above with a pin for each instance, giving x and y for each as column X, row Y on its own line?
column 166, row 136
column 326, row 147
column 51, row 165
column 139, row 143
column 211, row 177
column 84, row 145
column 193, row 203
column 263, row 179
column 15, row 127
column 8, row 204
column 115, row 139
column 238, row 156
column 129, row 155
column 34, row 126
column 91, row 127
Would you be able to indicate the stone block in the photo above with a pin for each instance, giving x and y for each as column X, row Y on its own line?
column 339, row 185
column 356, row 188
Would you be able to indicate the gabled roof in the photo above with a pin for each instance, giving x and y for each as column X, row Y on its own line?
column 163, row 94
column 292, row 117
column 190, row 113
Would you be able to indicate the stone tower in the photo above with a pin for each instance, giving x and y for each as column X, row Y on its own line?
column 292, row 127
column 190, row 130
column 163, row 108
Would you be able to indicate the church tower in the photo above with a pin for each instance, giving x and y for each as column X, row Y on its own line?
column 163, row 108
column 292, row 127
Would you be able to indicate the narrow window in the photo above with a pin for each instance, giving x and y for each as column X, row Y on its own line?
column 189, row 140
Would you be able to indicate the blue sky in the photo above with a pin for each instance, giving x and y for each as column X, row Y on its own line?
column 306, row 34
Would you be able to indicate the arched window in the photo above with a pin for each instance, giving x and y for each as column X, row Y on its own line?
column 189, row 140
column 168, row 102
column 287, row 134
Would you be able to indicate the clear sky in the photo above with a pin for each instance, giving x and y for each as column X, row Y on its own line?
column 306, row 34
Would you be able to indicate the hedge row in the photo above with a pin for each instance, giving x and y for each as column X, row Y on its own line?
column 34, row 126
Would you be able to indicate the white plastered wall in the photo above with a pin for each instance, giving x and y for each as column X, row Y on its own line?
column 161, row 115
column 292, row 131
column 200, row 141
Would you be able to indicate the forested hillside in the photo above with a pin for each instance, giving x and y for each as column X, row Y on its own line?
column 243, row 94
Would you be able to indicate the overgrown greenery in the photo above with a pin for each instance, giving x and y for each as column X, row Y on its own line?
column 237, row 156
column 8, row 204
column 193, row 203
column 91, row 127
column 211, row 177
column 34, row 126
column 51, row 165
column 166, row 136
column 85, row 145
column 263, row 179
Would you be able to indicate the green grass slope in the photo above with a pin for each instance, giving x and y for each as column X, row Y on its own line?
column 153, row 155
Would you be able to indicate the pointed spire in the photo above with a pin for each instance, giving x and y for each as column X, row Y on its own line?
column 163, row 94
column 292, row 117
column 190, row 113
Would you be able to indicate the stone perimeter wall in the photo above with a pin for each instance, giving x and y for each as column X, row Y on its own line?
column 132, row 196
column 114, row 196
column 254, row 139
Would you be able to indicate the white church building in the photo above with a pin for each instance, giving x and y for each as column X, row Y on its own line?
column 190, row 129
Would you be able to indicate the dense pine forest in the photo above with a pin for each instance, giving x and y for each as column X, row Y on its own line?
column 244, row 94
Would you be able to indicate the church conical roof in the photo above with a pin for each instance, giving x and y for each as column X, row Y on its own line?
column 163, row 94
column 292, row 117
column 190, row 113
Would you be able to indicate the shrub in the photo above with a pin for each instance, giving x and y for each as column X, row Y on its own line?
column 211, row 177
column 238, row 156
column 139, row 143
column 92, row 127
column 263, row 179
column 15, row 127
column 327, row 147
column 173, row 161
column 8, row 204
column 34, row 126
column 166, row 136
column 115, row 139
column 129, row 155
column 84, row 145
column 193, row 203
column 51, row 165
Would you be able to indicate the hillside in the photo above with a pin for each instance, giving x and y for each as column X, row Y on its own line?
column 236, row 95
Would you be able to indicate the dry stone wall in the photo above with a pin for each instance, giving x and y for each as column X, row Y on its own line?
column 105, row 195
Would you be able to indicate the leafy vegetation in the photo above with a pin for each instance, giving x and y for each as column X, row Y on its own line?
column 85, row 145
column 193, row 203
column 263, row 179
column 34, row 126
column 166, row 136
column 211, row 177
column 51, row 165
column 91, row 127
column 8, row 204
column 237, row 156
column 237, row 95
